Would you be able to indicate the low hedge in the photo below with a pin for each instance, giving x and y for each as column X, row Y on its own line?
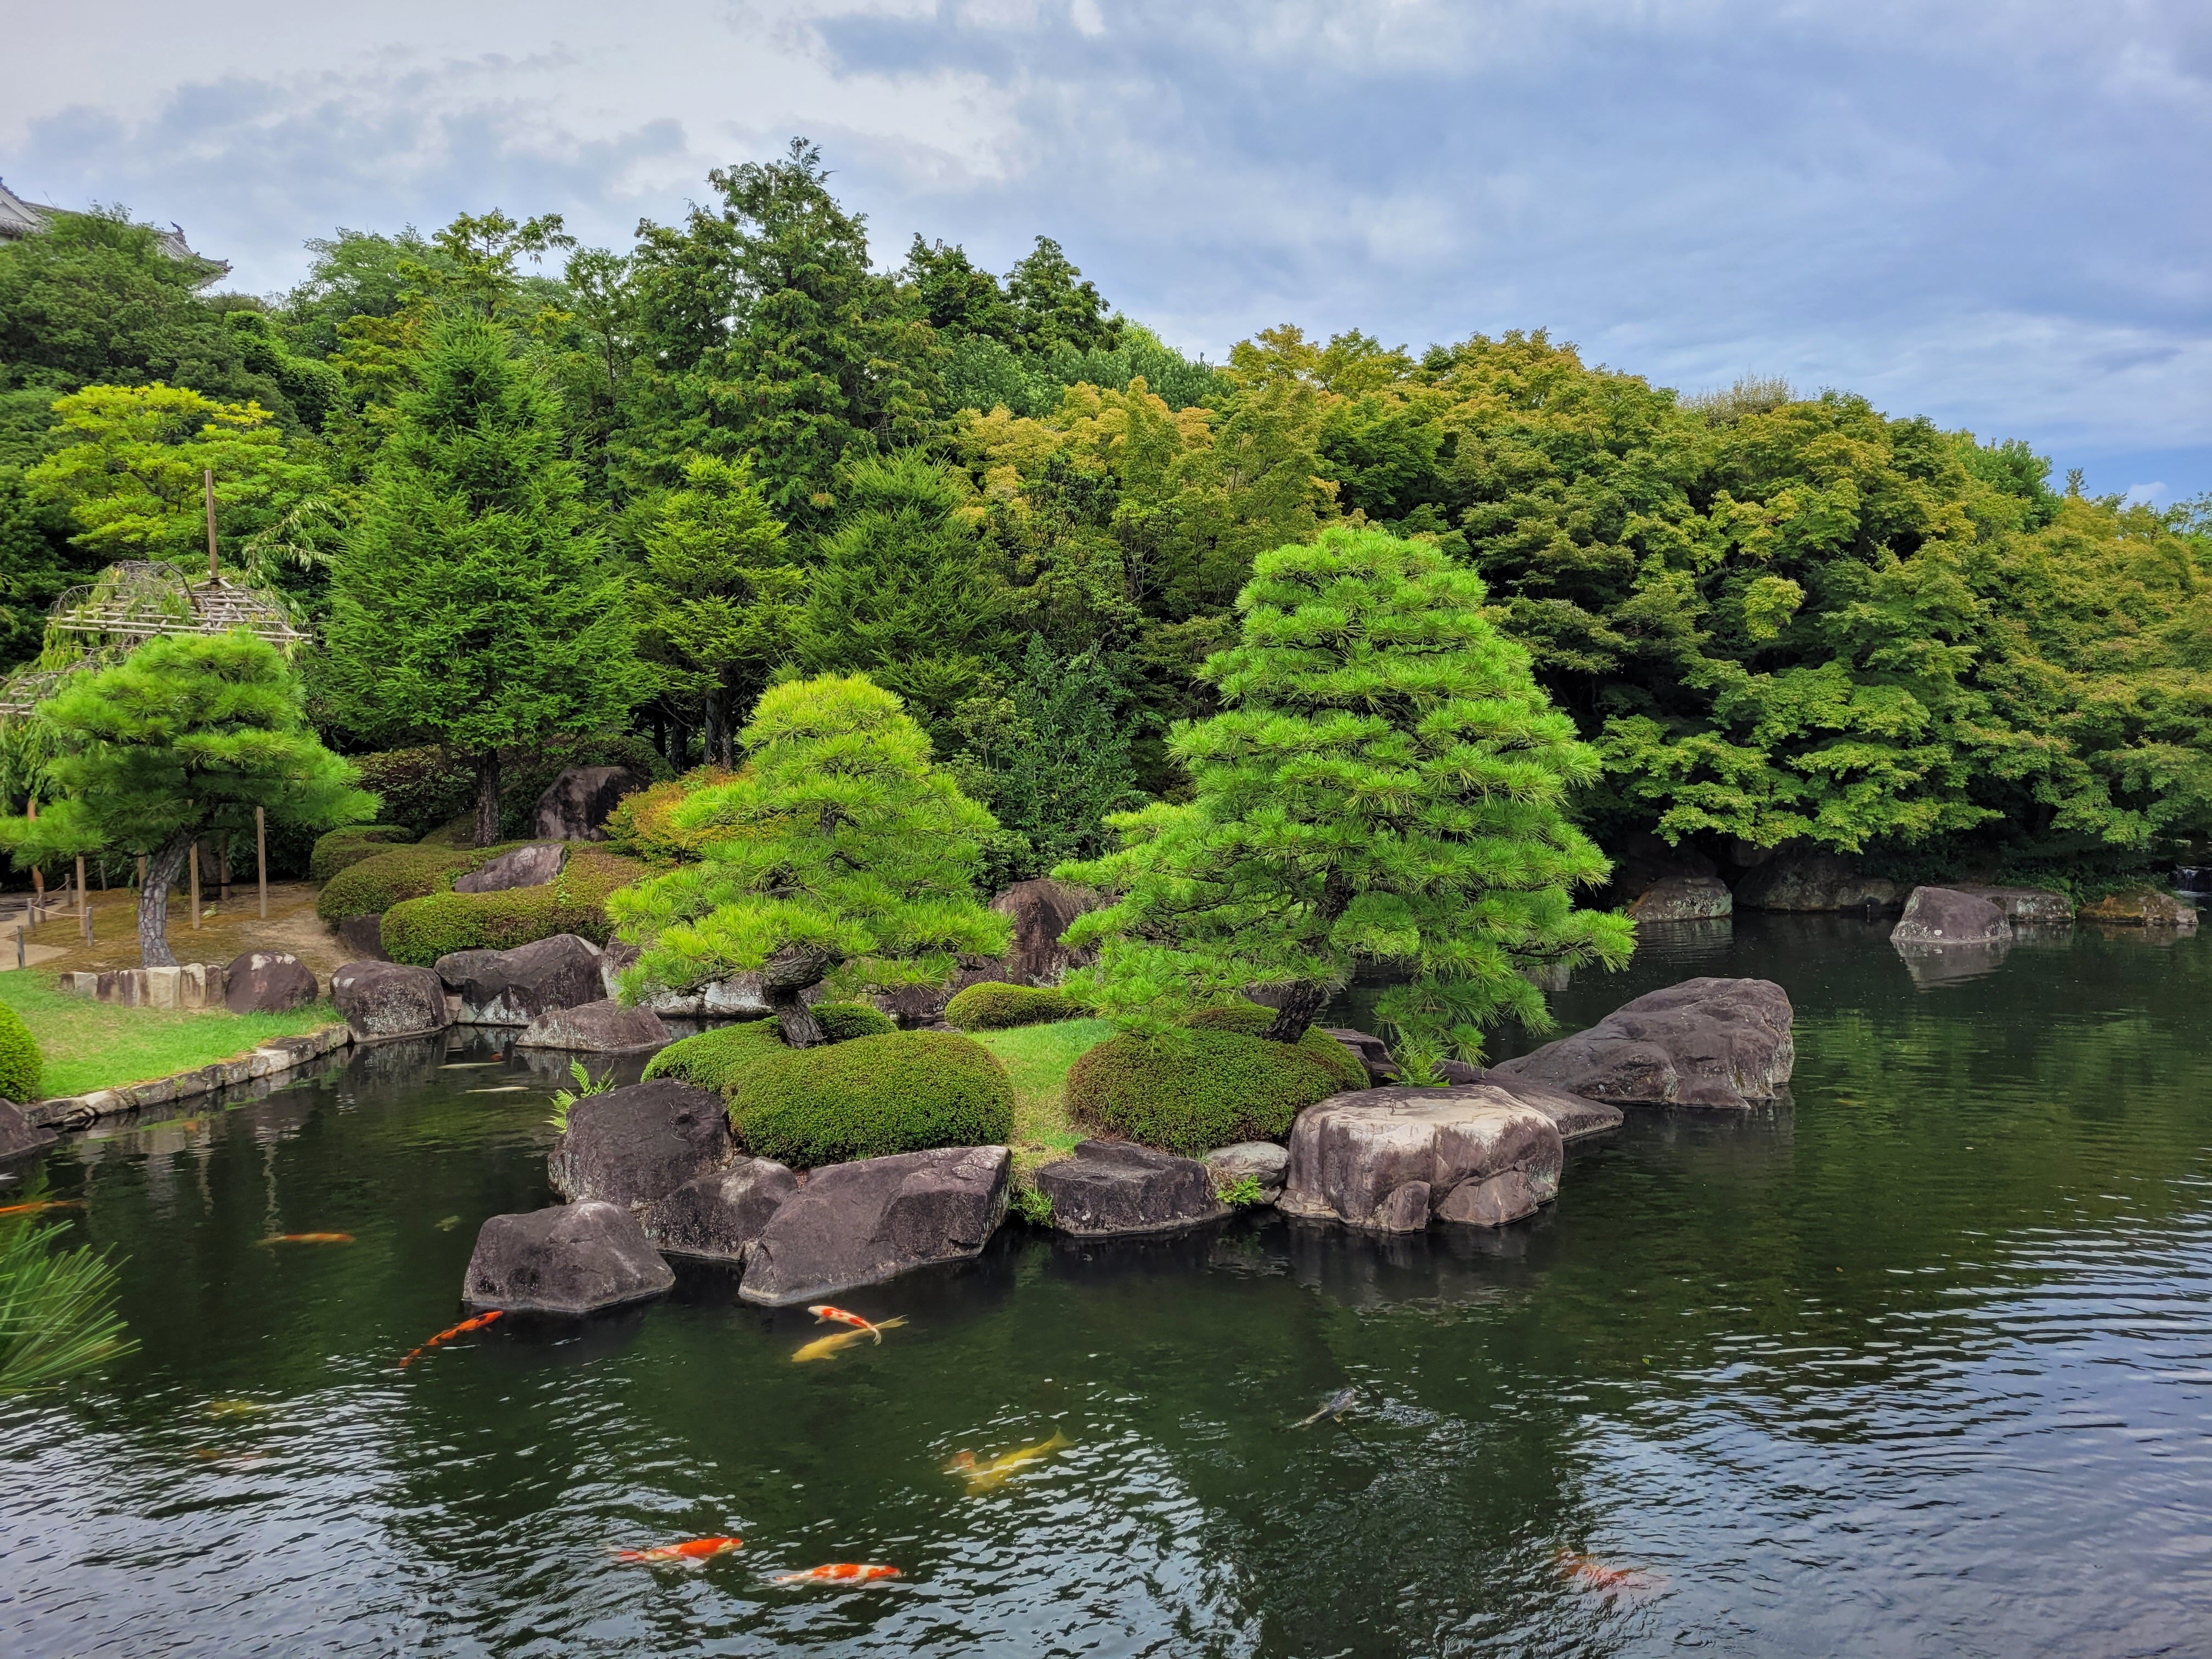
column 22, row 1067
column 420, row 930
column 992, row 1005
column 376, row 883
column 1191, row 1090
column 350, row 846
column 843, row 1021
column 869, row 1096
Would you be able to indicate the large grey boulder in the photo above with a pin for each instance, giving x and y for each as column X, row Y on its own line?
column 267, row 982
column 1942, row 917
column 2031, row 907
column 569, row 1259
column 1391, row 1159
column 382, row 999
column 631, row 1145
column 605, row 1027
column 513, row 987
column 1042, row 910
column 576, row 805
column 1261, row 1161
column 19, row 1136
column 1703, row 1042
column 1370, row 1051
column 721, row 1214
column 1111, row 1188
column 860, row 1223
column 741, row 996
column 1682, row 898
column 1819, row 881
column 526, row 866
column 364, row 936
column 1574, row 1115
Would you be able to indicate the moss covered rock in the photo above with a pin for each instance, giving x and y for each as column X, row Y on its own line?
column 1191, row 1090
column 22, row 1067
column 868, row 1096
column 993, row 1006
column 350, row 846
column 420, row 930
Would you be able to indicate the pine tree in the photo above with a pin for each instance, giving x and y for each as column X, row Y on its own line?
column 838, row 843
column 1384, row 787
column 474, row 605
column 177, row 743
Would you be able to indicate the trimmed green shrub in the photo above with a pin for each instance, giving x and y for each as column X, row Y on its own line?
column 1247, row 1018
column 1191, row 1090
column 350, row 846
column 902, row 1091
column 384, row 879
column 991, row 1005
column 420, row 930
column 843, row 1021
column 21, row 1065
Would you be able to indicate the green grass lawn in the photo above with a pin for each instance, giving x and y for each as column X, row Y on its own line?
column 1037, row 1059
column 95, row 1045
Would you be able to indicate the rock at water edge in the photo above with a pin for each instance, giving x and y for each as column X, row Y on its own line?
column 388, row 1000
column 605, row 1027
column 19, row 1136
column 1111, row 1188
column 1703, row 1042
column 1682, row 898
column 1945, row 916
column 632, row 1146
column 862, row 1223
column 569, row 1259
column 513, row 987
column 1575, row 1115
column 1388, row 1159
column 1262, row 1160
column 267, row 982
column 719, row 1216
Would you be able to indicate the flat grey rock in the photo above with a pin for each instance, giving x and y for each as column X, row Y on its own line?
column 1391, row 1160
column 629, row 1146
column 569, row 1259
column 382, row 999
column 1943, row 916
column 1722, row 1042
column 857, row 1223
column 605, row 1027
column 513, row 987
column 526, row 866
column 1111, row 1187
column 721, row 1215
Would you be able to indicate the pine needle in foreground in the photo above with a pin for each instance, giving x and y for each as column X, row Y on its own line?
column 57, row 1316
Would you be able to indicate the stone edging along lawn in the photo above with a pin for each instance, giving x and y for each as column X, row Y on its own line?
column 277, row 1056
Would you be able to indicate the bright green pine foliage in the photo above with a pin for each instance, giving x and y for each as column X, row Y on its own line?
column 57, row 1316
column 183, row 740
column 989, row 1006
column 1385, row 786
column 474, row 605
column 1190, row 1091
column 837, row 845
column 22, row 1068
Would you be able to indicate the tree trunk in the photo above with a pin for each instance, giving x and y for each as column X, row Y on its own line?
column 800, row 1028
column 783, row 977
column 1301, row 1002
column 154, row 903
column 488, row 797
column 712, row 736
column 727, row 696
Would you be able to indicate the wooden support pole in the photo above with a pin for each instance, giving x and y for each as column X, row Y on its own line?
column 207, row 476
column 84, row 923
column 261, row 857
column 222, row 870
column 80, row 884
column 196, row 884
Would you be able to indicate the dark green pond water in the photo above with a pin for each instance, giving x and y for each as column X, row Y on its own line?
column 1918, row 1362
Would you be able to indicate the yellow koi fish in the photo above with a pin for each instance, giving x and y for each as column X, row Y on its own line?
column 985, row 1477
column 309, row 1238
column 828, row 1347
column 235, row 1408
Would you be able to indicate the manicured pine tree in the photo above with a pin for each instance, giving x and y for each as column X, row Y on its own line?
column 1384, row 786
column 474, row 605
column 838, row 843
column 179, row 742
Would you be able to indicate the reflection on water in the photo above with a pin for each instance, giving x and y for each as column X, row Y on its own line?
column 1916, row 1362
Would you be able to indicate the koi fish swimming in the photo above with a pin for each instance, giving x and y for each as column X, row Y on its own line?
column 828, row 1347
column 985, row 1477
column 696, row 1549
column 448, row 1335
column 837, row 1572
column 1339, row 1403
column 824, row 1310
column 1586, row 1573
column 40, row 1205
column 236, row 1408
column 308, row 1238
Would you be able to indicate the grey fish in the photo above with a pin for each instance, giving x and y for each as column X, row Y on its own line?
column 1339, row 1403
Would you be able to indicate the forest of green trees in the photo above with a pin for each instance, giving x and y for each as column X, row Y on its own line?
column 737, row 452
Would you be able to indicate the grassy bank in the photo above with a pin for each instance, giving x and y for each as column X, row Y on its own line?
column 1037, row 1059
column 95, row 1045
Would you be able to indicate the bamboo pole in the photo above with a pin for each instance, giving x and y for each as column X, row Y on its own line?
column 261, row 857
column 207, row 476
column 196, row 884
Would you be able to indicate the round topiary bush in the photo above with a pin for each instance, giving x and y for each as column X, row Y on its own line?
column 418, row 931
column 993, row 1006
column 843, row 1021
column 391, row 876
column 1191, row 1090
column 21, row 1065
column 1248, row 1018
column 871, row 1096
column 350, row 846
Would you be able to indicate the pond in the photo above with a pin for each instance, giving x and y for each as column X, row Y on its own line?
column 1916, row 1362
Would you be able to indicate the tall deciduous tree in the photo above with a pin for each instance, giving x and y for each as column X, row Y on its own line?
column 178, row 742
column 474, row 605
column 1385, row 786
column 839, row 843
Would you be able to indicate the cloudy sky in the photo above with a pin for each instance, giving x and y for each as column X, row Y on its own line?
column 1994, row 212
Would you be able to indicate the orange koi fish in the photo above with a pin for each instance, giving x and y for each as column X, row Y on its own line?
column 38, row 1205
column 696, row 1549
column 827, row 1347
column 308, row 1238
column 448, row 1335
column 1588, row 1573
column 824, row 1310
column 837, row 1572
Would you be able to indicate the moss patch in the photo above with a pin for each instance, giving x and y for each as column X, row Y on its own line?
column 342, row 848
column 993, row 1006
column 1191, row 1090
column 96, row 1045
